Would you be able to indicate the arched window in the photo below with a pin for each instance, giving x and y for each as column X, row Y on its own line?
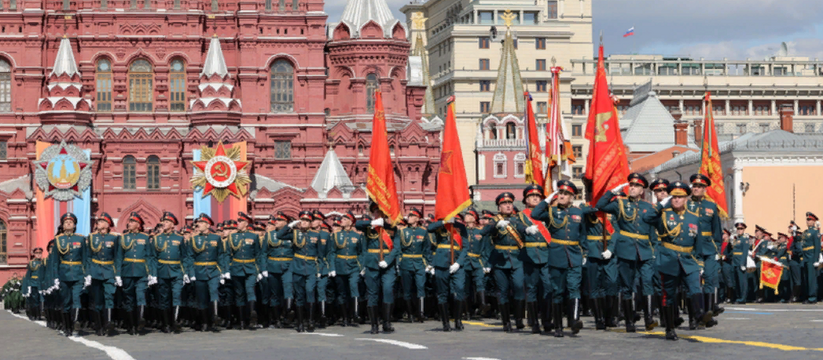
column 177, row 86
column 128, row 173
column 511, row 131
column 294, row 5
column 153, row 182
column 492, row 132
column 5, row 85
column 371, row 87
column 141, row 86
column 3, row 244
column 282, row 86
column 103, row 77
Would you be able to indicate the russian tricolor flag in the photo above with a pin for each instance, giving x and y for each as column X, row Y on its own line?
column 629, row 32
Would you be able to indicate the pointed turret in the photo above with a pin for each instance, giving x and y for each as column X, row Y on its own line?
column 428, row 98
column 64, row 64
column 359, row 13
column 215, row 63
column 508, row 91
column 216, row 93
column 64, row 88
column 330, row 175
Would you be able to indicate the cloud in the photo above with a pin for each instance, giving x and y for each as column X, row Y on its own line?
column 335, row 8
column 811, row 48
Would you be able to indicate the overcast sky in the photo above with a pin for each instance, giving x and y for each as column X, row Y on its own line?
column 713, row 29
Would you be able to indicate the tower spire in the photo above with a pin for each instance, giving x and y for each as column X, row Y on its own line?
column 508, row 91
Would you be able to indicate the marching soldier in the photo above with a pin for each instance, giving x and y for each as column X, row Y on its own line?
column 169, row 254
column 447, row 263
column 478, row 247
column 279, row 255
column 103, row 246
column 602, row 272
column 738, row 252
column 726, row 267
column 711, row 239
column 808, row 245
column 680, row 242
column 208, row 269
column 505, row 258
column 415, row 251
column 349, row 247
column 320, row 235
column 780, row 252
column 794, row 262
column 378, row 266
column 565, row 254
column 245, row 254
column 30, row 286
column 535, row 258
column 633, row 246
column 132, row 262
column 660, row 190
column 305, row 267
column 66, row 268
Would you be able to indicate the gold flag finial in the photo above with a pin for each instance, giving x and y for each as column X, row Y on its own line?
column 418, row 21
column 508, row 17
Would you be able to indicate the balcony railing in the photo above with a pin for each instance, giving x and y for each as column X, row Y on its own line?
column 505, row 143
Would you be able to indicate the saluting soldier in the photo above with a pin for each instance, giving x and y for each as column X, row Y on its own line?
column 711, row 238
column 66, row 267
column 245, row 254
column 660, row 191
column 602, row 272
column 378, row 261
column 169, row 254
column 132, row 261
column 30, row 286
column 447, row 263
column 808, row 245
column 478, row 248
column 535, row 258
column 738, row 251
column 102, row 250
column 320, row 234
column 680, row 240
column 349, row 247
column 209, row 268
column 507, row 263
column 279, row 259
column 415, row 247
column 305, row 267
column 633, row 245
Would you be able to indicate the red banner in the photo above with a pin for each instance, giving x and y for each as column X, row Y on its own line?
column 540, row 226
column 710, row 164
column 770, row 274
column 380, row 184
column 534, row 161
column 452, row 186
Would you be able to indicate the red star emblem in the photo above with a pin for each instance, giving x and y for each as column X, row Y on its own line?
column 445, row 162
column 221, row 171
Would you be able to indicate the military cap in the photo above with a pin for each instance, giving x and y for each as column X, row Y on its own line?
column 349, row 215
column 373, row 206
column 515, row 210
column 68, row 215
column 660, row 184
column 259, row 227
column 810, row 216
column 136, row 218
column 415, row 212
column 700, row 179
column 366, row 217
column 504, row 197
column 759, row 228
column 740, row 223
column 678, row 189
column 472, row 212
column 280, row 216
column 241, row 216
column 458, row 217
column 336, row 221
column 782, row 234
column 186, row 229
column 107, row 218
column 36, row 250
column 230, row 225
column 566, row 185
column 325, row 226
column 487, row 214
column 170, row 217
column 317, row 215
column 305, row 215
column 727, row 231
column 206, row 219
column 636, row 178
column 532, row 190
column 221, row 226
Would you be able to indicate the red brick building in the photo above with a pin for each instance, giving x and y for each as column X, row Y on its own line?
column 143, row 83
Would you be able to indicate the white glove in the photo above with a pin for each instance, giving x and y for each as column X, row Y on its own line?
column 259, row 277
column 487, row 270
column 820, row 259
column 152, row 280
column 816, row 264
column 549, row 198
column 186, row 279
column 750, row 253
column 817, row 224
column 770, row 246
column 666, row 201
column 265, row 273
column 87, row 281
column 363, row 272
column 584, row 260
column 430, row 269
column 717, row 257
column 383, row 264
column 701, row 272
column 28, row 291
column 502, row 224
column 794, row 228
column 318, row 275
column 450, row 221
column 222, row 281
column 531, row 230
column 57, row 282
column 607, row 255
column 332, row 273
column 193, row 279
column 453, row 269
column 742, row 268
column 619, row 188
column 118, row 281
column 377, row 222
column 293, row 224
column 227, row 276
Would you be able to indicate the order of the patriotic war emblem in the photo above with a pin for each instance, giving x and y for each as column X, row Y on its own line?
column 63, row 172
column 220, row 173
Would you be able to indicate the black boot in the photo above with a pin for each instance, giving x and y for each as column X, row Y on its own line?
column 289, row 312
column 710, row 305
column 795, row 291
column 670, row 311
column 375, row 328
column 716, row 309
column 264, row 319
column 110, row 331
column 557, row 314
column 612, row 306
column 298, row 326
column 410, row 309
column 165, row 328
column 204, row 320
column 174, row 314
column 387, row 328
column 519, row 311
column 67, row 327
column 574, row 316
column 546, row 314
column 75, row 321
column 444, row 317
column 128, row 321
column 703, row 317
column 692, row 318
column 275, row 317
column 98, row 318
column 628, row 311
column 759, row 296
column 421, row 316
column 241, row 315
column 141, row 322
column 323, row 319
column 484, row 306
column 252, row 314
column 597, row 309
column 504, row 315
column 648, row 314
column 458, row 315
column 352, row 313
column 310, row 327
column 531, row 310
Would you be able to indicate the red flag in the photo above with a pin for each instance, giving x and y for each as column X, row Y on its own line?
column 710, row 161
column 384, row 235
column 541, row 226
column 455, row 235
column 607, row 165
column 452, row 186
column 770, row 273
column 534, row 161
column 380, row 184
column 559, row 152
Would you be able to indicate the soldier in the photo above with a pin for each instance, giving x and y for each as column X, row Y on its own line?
column 711, row 238
column 30, row 286
column 680, row 240
column 348, row 248
column 132, row 262
column 565, row 223
column 279, row 255
column 245, row 255
column 447, row 263
column 633, row 246
column 378, row 266
column 780, row 252
column 51, row 294
column 102, row 248
column 794, row 263
column 726, row 268
column 761, row 250
column 320, row 235
column 415, row 251
column 305, row 267
column 808, row 245
column 478, row 247
column 602, row 272
column 506, row 261
column 209, row 268
column 66, row 268
column 738, row 251
column 535, row 258
column 169, row 254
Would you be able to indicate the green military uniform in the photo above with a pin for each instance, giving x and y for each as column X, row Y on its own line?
column 305, row 269
column 478, row 248
column 279, row 256
column 208, row 267
column 535, row 256
column 245, row 254
column 448, row 250
column 416, row 248
column 325, row 265
column 12, row 295
column 379, row 279
column 349, row 246
column 507, row 264
column 808, row 245
column 711, row 238
column 170, row 257
column 30, row 286
column 602, row 272
column 778, row 252
column 67, row 270
column 738, row 253
column 132, row 261
column 102, row 251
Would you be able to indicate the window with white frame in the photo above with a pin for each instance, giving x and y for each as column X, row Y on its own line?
column 499, row 165
column 520, row 165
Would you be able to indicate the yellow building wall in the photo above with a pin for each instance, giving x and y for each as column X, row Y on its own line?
column 768, row 202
